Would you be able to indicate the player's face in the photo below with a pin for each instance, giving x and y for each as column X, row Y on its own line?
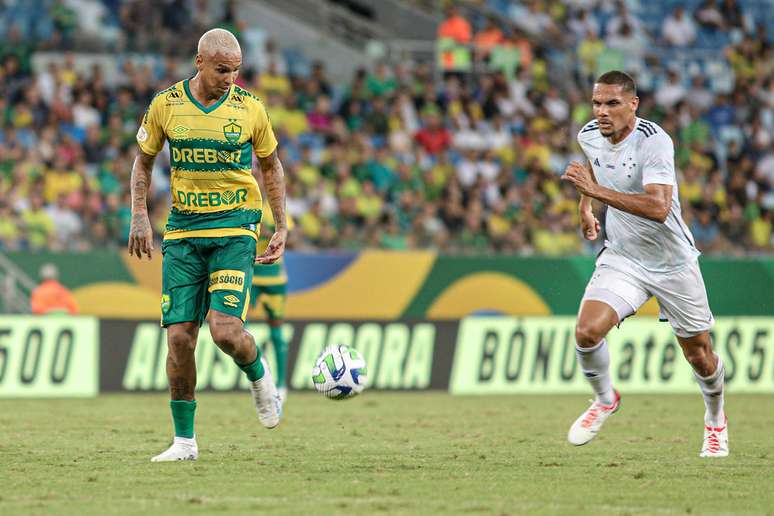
column 613, row 108
column 218, row 72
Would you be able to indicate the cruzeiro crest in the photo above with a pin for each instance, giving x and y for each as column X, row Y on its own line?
column 232, row 131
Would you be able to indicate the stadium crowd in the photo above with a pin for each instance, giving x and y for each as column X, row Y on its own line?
column 403, row 156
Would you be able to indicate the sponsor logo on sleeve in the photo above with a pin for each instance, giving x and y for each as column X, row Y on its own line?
column 142, row 134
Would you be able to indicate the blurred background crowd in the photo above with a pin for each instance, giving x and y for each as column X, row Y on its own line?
column 459, row 154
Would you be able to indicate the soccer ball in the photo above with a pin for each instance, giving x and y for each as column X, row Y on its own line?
column 340, row 373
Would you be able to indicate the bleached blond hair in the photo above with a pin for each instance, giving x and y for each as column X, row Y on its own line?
column 218, row 41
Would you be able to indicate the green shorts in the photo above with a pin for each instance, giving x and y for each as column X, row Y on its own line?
column 272, row 298
column 199, row 274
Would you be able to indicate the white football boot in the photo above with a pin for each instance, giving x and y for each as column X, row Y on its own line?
column 181, row 449
column 266, row 399
column 715, row 441
column 590, row 422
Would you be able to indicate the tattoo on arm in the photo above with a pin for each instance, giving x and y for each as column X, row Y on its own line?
column 140, row 232
column 140, row 181
column 274, row 183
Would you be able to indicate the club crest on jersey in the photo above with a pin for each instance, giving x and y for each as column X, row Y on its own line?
column 232, row 131
column 166, row 303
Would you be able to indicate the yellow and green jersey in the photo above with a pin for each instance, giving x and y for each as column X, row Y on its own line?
column 275, row 273
column 211, row 150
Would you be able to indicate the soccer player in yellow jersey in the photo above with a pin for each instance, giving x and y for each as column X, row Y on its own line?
column 209, row 249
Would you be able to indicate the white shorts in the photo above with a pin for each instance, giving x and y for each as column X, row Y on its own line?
column 626, row 286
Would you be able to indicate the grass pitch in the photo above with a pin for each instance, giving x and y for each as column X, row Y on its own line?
column 382, row 453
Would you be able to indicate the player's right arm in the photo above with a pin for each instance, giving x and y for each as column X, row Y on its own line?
column 150, row 140
column 589, row 223
column 140, row 232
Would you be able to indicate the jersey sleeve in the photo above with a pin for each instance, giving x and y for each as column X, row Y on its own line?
column 587, row 130
column 581, row 145
column 264, row 141
column 658, row 166
column 150, row 135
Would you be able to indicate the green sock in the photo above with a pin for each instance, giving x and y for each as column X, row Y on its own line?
column 183, row 416
column 253, row 371
column 281, row 352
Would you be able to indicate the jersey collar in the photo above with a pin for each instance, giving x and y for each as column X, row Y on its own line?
column 196, row 103
column 622, row 143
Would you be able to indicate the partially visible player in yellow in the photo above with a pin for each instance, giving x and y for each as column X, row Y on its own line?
column 270, row 286
column 213, row 127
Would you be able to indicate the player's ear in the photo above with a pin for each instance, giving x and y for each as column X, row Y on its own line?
column 198, row 61
column 635, row 102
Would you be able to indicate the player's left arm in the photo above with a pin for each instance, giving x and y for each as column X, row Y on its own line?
column 274, row 184
column 273, row 175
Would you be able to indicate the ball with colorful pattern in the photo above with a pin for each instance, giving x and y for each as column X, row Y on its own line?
column 340, row 373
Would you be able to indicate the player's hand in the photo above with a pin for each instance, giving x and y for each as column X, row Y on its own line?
column 275, row 248
column 581, row 177
column 589, row 225
column 140, row 235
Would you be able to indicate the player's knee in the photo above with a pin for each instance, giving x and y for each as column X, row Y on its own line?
column 698, row 356
column 587, row 335
column 226, row 337
column 181, row 346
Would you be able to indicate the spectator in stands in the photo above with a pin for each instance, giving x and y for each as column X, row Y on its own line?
column 582, row 24
column 671, row 92
column 381, row 82
column 433, row 137
column 532, row 19
column 631, row 44
column 732, row 14
column 761, row 236
column 701, row 97
column 678, row 29
column 272, row 55
column 9, row 227
column 488, row 37
column 50, row 296
column 68, row 224
column 705, row 230
column 455, row 27
column 708, row 16
column 622, row 17
column 37, row 223
column 588, row 52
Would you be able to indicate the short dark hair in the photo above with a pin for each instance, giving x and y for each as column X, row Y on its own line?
column 622, row 79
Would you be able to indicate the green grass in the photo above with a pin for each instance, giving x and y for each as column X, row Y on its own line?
column 398, row 453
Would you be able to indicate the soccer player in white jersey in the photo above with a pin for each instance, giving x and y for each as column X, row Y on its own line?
column 649, row 251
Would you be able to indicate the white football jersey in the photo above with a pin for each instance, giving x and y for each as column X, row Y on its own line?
column 645, row 156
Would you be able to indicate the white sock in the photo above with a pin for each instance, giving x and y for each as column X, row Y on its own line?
column 189, row 441
column 595, row 364
column 712, row 391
